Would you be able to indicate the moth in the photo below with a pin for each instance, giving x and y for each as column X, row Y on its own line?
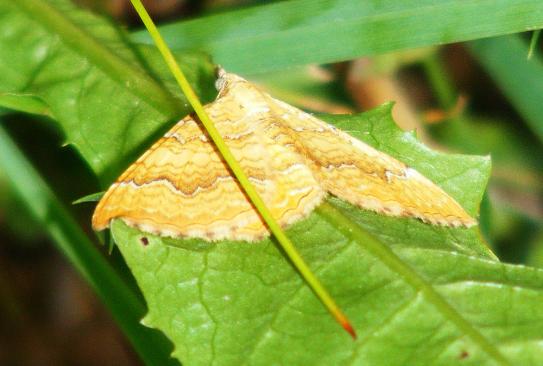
column 181, row 187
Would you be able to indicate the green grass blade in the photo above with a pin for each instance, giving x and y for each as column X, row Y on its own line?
column 69, row 238
column 255, row 39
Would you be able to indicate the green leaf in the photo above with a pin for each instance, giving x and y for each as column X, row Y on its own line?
column 290, row 33
column 418, row 295
column 96, row 85
column 93, row 197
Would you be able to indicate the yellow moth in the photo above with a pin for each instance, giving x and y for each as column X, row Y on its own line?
column 181, row 187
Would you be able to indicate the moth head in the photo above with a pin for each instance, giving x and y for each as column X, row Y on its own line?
column 225, row 80
column 220, row 73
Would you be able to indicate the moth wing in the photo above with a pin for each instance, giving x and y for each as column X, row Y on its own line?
column 181, row 187
column 175, row 189
column 363, row 176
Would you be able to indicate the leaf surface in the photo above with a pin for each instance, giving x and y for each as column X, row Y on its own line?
column 109, row 97
column 418, row 295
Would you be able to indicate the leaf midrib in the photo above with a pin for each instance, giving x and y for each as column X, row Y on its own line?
column 317, row 270
column 386, row 256
column 85, row 45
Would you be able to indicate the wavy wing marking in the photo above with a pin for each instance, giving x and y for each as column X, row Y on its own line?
column 182, row 188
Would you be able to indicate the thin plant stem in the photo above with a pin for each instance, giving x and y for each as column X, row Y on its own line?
column 249, row 189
